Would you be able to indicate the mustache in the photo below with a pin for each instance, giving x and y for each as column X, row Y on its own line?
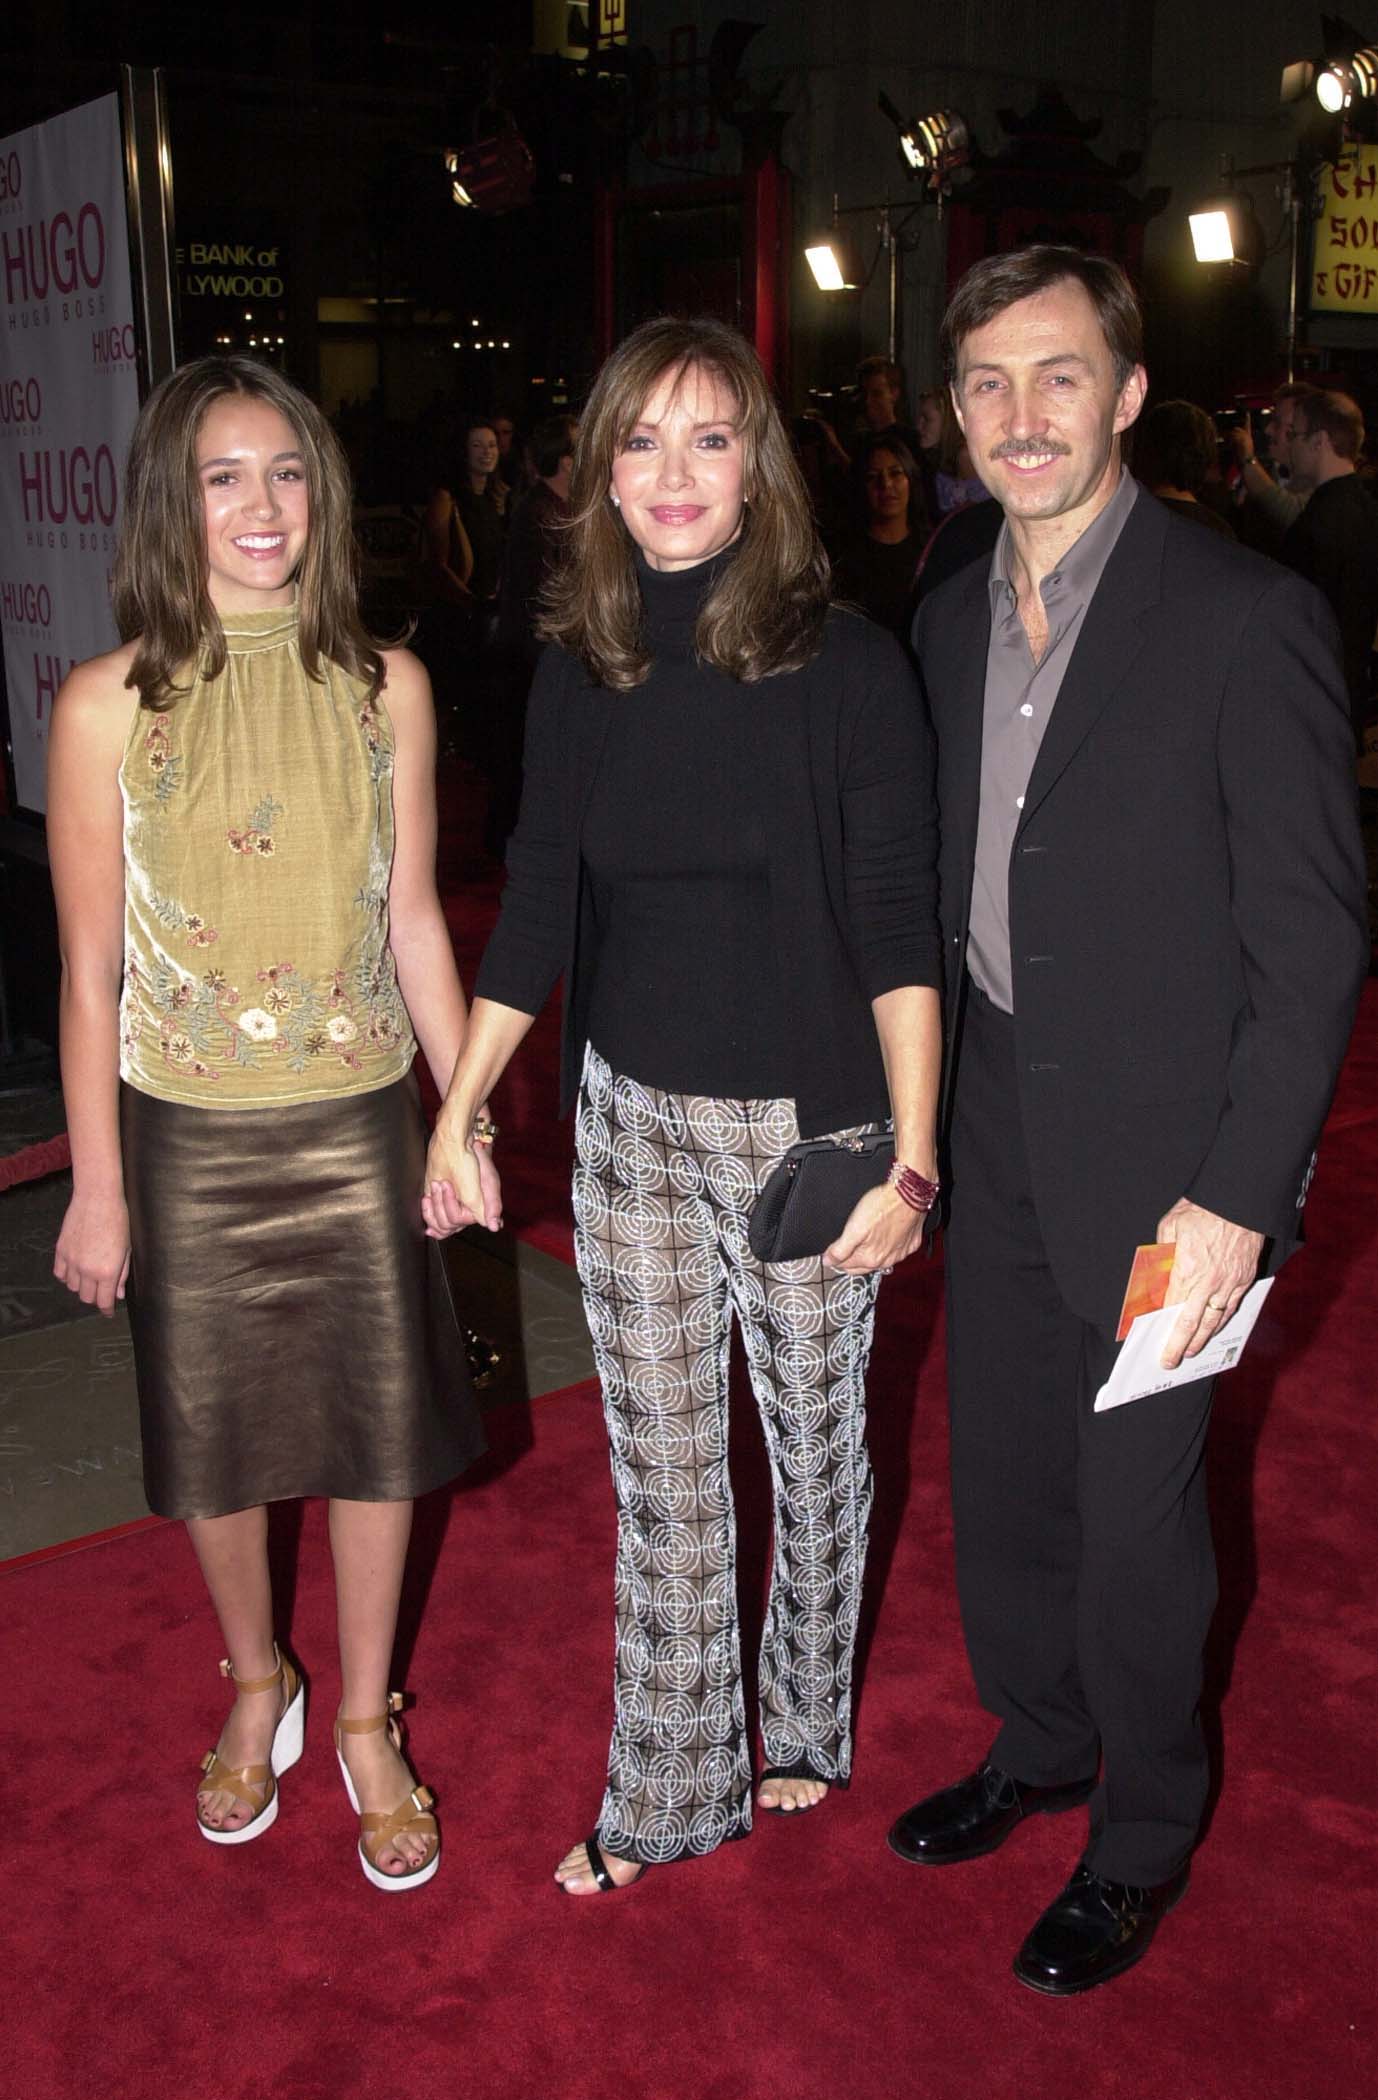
column 1030, row 448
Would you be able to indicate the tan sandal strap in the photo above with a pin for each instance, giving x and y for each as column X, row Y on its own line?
column 253, row 1684
column 224, row 1779
column 377, row 1831
column 374, row 1721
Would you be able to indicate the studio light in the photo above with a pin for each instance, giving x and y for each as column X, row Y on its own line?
column 495, row 174
column 830, row 259
column 1227, row 230
column 936, row 141
column 1211, row 236
column 1346, row 80
column 930, row 146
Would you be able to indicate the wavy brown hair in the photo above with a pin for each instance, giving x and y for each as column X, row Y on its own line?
column 160, row 593
column 765, row 612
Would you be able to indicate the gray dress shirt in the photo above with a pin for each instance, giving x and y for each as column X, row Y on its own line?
column 1020, row 698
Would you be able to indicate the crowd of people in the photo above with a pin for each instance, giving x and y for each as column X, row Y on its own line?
column 852, row 934
column 900, row 508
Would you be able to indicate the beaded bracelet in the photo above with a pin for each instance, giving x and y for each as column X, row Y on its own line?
column 911, row 1187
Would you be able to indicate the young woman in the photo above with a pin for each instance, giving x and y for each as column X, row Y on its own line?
column 726, row 842
column 242, row 830
column 465, row 522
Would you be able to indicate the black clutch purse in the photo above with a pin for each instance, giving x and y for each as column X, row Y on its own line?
column 809, row 1197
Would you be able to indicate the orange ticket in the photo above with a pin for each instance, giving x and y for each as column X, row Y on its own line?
column 1146, row 1291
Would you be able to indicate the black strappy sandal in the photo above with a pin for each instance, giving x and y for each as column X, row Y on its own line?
column 600, row 1873
column 790, row 1772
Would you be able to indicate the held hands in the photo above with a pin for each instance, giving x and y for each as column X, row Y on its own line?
column 1215, row 1264
column 881, row 1232
column 461, row 1186
column 92, row 1256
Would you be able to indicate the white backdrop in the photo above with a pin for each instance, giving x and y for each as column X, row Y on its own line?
column 69, row 394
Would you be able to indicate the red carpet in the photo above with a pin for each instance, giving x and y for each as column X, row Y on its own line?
column 806, row 1962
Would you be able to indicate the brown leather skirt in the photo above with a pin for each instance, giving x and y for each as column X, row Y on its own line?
column 293, row 1330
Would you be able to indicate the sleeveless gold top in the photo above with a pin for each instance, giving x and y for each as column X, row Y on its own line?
column 258, row 839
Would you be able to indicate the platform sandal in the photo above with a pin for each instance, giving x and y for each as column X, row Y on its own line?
column 256, row 1785
column 376, row 1829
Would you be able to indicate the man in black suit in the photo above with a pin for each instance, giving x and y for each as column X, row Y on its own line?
column 1334, row 541
column 1153, row 912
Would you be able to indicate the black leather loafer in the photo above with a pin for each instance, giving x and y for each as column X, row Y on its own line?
column 977, row 1815
column 1095, row 1930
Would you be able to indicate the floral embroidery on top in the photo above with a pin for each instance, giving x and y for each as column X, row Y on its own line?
column 164, row 763
column 170, row 914
column 217, row 1026
column 257, row 835
column 375, row 742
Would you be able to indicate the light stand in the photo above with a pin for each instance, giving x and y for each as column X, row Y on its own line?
column 1289, row 194
column 835, row 276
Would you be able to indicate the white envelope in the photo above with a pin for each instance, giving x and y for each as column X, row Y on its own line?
column 1138, row 1367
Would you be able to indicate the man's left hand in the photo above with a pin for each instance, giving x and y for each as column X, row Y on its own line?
column 1214, row 1265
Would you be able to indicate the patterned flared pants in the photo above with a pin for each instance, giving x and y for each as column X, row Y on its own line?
column 663, row 1187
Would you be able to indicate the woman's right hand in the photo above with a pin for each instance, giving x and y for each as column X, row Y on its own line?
column 92, row 1256
column 458, row 1191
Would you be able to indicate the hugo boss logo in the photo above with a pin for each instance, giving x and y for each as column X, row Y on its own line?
column 11, row 178
column 57, row 254
column 26, row 604
column 21, row 402
column 113, row 346
column 57, row 485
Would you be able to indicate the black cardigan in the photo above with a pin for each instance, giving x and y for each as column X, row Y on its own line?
column 844, row 757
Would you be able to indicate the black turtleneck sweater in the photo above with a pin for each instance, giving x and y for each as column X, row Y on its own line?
column 727, row 875
column 685, row 996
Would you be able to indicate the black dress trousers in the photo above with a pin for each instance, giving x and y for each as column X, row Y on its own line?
column 1084, row 1561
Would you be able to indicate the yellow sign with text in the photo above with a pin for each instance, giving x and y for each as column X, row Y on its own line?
column 1344, row 267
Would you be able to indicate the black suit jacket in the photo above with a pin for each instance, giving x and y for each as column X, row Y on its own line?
column 1187, row 893
column 1334, row 544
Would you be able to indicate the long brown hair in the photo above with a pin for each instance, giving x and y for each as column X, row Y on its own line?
column 765, row 612
column 160, row 593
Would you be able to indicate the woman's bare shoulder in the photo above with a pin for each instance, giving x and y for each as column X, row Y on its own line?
column 101, row 682
column 405, row 678
column 93, row 708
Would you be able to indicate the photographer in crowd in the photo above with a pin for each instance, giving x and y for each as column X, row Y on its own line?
column 1276, row 506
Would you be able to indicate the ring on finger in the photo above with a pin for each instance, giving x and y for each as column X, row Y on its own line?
column 1218, row 1304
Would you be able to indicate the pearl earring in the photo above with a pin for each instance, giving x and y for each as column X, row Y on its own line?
column 616, row 500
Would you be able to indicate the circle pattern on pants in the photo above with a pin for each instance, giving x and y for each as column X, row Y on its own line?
column 663, row 1188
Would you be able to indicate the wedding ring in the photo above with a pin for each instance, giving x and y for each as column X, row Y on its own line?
column 1217, row 1306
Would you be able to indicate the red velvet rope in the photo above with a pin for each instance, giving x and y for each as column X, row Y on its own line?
column 34, row 1161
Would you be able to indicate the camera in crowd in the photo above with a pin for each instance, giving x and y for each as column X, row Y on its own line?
column 825, row 405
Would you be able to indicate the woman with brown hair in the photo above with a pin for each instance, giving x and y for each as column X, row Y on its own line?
column 876, row 567
column 465, row 522
column 726, row 842
column 243, row 857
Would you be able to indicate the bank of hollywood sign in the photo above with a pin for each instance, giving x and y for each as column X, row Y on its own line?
column 68, row 399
